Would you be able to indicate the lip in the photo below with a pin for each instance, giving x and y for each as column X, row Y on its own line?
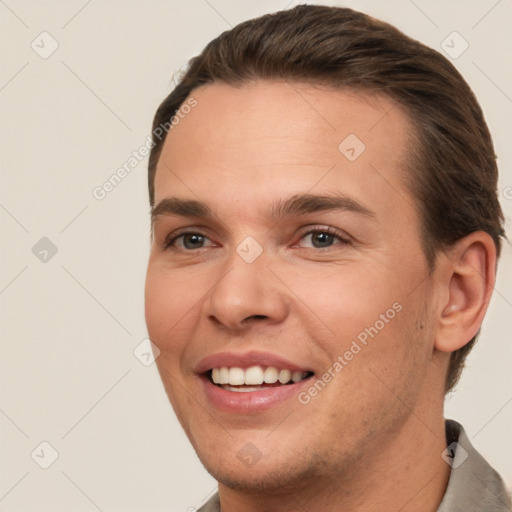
column 252, row 402
column 247, row 359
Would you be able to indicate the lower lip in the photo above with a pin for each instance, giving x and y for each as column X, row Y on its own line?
column 250, row 401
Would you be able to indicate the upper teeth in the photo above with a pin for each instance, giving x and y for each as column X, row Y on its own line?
column 255, row 375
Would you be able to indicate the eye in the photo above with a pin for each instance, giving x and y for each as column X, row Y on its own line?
column 188, row 241
column 321, row 239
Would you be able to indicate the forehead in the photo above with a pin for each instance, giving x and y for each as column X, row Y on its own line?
column 264, row 138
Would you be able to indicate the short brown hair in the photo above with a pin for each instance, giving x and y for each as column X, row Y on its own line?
column 454, row 177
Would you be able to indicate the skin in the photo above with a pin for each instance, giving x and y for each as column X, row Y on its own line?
column 240, row 150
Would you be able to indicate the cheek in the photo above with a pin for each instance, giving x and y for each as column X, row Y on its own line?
column 158, row 303
column 345, row 299
column 370, row 313
column 169, row 311
column 168, row 304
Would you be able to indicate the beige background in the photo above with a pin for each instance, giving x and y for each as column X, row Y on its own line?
column 69, row 325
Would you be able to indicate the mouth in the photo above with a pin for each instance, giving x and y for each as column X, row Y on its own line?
column 255, row 378
column 251, row 382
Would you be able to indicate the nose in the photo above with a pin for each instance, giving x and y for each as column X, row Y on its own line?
column 246, row 294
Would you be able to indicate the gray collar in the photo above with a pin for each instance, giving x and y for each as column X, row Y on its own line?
column 474, row 486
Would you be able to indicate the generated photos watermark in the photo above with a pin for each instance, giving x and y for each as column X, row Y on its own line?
column 101, row 191
column 358, row 344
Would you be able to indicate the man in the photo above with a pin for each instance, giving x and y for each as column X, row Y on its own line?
column 325, row 237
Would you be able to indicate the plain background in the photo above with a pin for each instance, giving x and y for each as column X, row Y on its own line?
column 69, row 325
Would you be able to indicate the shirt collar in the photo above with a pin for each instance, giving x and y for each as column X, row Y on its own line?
column 473, row 486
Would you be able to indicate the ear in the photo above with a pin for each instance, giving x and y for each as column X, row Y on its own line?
column 470, row 271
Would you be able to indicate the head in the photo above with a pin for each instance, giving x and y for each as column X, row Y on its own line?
column 274, row 100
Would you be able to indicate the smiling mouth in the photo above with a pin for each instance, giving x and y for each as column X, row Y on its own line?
column 254, row 378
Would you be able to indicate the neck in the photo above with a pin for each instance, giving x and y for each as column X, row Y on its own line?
column 405, row 473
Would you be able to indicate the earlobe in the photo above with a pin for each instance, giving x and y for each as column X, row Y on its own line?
column 471, row 271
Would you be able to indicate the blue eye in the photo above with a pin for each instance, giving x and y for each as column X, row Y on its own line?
column 189, row 241
column 321, row 239
column 192, row 241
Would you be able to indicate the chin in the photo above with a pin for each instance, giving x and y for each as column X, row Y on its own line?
column 271, row 474
column 262, row 481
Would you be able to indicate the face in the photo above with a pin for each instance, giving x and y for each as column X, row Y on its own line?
column 287, row 288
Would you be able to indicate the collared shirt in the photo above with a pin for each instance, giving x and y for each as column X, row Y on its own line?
column 473, row 485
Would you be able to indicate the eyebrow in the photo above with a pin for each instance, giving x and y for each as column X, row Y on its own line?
column 311, row 203
column 299, row 204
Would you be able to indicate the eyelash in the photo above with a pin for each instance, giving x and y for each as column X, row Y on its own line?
column 170, row 240
column 324, row 229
